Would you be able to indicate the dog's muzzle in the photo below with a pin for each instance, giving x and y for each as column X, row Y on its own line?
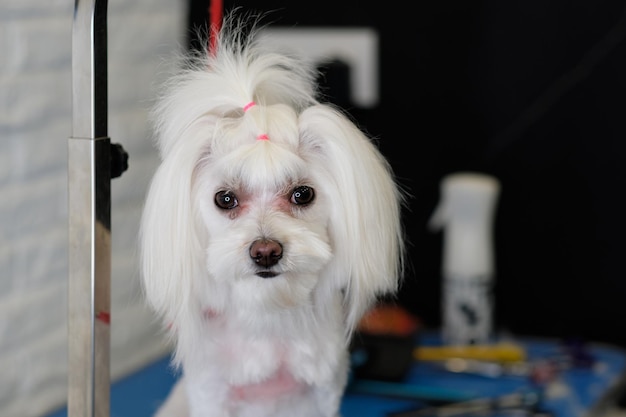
column 266, row 253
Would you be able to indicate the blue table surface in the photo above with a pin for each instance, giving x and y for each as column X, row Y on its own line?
column 573, row 392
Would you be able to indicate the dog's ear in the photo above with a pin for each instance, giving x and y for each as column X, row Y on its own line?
column 366, row 203
column 170, row 236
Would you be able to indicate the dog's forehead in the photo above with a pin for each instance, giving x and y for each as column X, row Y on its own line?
column 260, row 165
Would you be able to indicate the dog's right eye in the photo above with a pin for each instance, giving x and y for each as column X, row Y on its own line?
column 226, row 200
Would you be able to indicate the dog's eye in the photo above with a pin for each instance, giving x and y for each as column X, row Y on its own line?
column 226, row 200
column 302, row 195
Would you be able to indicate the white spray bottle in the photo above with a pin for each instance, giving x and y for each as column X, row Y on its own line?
column 466, row 212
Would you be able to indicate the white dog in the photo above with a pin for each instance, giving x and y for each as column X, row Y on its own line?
column 270, row 227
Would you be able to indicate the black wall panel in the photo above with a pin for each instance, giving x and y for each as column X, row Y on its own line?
column 532, row 92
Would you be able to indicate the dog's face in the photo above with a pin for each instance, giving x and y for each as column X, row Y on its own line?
column 265, row 206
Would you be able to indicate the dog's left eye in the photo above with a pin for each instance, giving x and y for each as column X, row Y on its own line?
column 302, row 195
column 226, row 200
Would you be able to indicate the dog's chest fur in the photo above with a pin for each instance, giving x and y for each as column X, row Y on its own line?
column 264, row 368
column 248, row 354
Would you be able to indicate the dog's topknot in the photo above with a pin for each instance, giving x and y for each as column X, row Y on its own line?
column 219, row 83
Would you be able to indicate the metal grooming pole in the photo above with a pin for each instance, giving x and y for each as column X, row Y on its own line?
column 92, row 162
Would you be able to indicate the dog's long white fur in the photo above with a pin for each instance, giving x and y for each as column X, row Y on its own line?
column 232, row 328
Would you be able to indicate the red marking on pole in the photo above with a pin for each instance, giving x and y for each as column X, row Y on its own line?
column 104, row 316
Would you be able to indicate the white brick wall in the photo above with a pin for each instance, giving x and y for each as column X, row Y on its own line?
column 35, row 123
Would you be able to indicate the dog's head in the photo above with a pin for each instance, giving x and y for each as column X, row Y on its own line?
column 265, row 199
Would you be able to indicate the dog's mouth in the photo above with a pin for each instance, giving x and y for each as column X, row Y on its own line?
column 267, row 274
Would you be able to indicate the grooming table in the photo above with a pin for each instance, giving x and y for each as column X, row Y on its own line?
column 580, row 389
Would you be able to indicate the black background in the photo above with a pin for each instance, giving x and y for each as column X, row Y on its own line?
column 529, row 91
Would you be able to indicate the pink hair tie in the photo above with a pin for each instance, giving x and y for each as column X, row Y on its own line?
column 247, row 106
column 262, row 137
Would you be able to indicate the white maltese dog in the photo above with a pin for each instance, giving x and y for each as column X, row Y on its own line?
column 271, row 226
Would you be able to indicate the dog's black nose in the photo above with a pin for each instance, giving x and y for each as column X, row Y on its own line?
column 266, row 252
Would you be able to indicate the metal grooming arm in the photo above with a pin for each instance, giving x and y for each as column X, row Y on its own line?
column 92, row 162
